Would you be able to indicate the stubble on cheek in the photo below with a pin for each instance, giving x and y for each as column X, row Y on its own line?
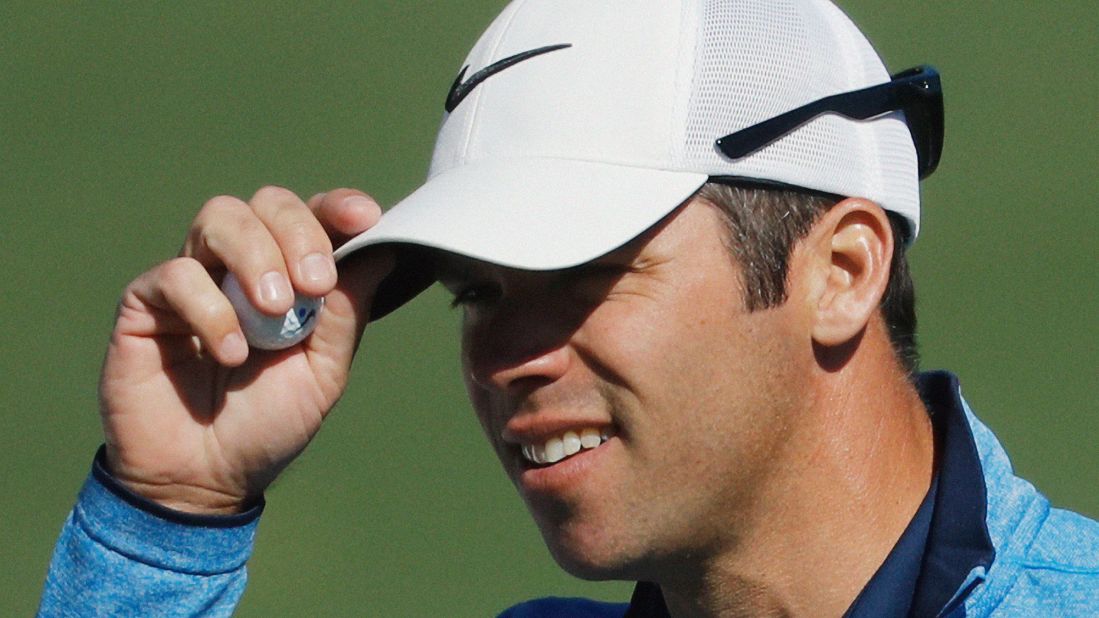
column 707, row 444
column 491, row 416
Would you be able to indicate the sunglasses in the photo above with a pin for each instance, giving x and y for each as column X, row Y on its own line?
column 917, row 92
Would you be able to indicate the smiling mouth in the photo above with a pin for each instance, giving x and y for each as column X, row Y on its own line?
column 569, row 443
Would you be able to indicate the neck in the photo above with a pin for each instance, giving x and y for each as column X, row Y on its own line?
column 842, row 493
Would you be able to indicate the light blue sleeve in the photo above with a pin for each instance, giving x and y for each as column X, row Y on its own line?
column 122, row 555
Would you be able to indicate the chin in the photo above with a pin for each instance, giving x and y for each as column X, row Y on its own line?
column 595, row 540
column 586, row 565
column 592, row 553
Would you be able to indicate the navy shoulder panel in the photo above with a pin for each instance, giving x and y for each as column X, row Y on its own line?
column 556, row 607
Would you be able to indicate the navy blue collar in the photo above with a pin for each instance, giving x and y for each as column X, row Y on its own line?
column 958, row 540
column 946, row 539
column 892, row 589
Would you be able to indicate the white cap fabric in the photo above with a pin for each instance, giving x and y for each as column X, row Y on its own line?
column 609, row 123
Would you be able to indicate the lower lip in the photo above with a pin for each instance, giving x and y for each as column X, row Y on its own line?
column 565, row 474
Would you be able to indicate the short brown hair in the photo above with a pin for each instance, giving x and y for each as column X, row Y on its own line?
column 764, row 225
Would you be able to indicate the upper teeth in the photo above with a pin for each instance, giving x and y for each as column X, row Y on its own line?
column 569, row 443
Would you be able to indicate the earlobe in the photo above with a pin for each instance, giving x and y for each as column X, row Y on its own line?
column 853, row 248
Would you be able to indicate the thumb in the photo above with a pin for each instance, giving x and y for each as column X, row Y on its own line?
column 347, row 308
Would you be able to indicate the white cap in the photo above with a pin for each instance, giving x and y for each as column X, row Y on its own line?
column 575, row 125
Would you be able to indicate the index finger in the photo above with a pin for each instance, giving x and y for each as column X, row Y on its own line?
column 345, row 213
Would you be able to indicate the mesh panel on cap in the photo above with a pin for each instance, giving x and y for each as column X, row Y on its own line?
column 732, row 35
column 756, row 59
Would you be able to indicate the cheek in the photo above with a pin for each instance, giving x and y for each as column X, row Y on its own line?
column 478, row 396
column 711, row 389
column 669, row 346
column 737, row 404
column 482, row 404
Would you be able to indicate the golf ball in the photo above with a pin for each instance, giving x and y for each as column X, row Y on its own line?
column 267, row 332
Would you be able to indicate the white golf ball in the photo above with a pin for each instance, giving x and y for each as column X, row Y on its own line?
column 267, row 332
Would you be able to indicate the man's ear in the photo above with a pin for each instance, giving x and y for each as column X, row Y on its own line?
column 850, row 250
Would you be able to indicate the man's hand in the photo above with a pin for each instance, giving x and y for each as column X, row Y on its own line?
column 194, row 419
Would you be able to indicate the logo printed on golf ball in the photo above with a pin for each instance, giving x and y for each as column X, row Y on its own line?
column 272, row 332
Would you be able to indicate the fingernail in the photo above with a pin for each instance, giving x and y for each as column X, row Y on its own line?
column 273, row 287
column 234, row 347
column 317, row 268
column 359, row 202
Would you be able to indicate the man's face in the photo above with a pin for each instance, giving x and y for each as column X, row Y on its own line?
column 675, row 401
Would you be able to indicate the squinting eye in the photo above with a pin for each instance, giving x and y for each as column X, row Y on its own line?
column 472, row 295
column 606, row 270
column 596, row 276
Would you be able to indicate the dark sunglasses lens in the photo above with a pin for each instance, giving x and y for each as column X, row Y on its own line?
column 925, row 120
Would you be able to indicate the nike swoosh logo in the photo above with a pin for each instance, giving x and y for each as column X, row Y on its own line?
column 460, row 90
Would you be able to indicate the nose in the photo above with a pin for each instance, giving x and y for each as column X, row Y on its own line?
column 517, row 349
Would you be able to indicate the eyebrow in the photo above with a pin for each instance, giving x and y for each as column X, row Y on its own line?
column 446, row 269
column 453, row 267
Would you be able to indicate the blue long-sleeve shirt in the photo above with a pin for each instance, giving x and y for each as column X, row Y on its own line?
column 983, row 543
column 122, row 555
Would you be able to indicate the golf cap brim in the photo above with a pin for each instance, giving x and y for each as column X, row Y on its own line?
column 531, row 214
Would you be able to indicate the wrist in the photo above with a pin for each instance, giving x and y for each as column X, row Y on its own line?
column 175, row 502
column 185, row 499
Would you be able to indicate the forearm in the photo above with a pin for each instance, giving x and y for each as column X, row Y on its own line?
column 119, row 555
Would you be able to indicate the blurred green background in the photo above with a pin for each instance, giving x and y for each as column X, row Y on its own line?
column 119, row 119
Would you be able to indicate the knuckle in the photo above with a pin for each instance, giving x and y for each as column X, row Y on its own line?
column 298, row 231
column 210, row 311
column 216, row 212
column 286, row 216
column 274, row 195
column 220, row 204
column 179, row 272
column 127, row 297
column 292, row 224
column 243, row 230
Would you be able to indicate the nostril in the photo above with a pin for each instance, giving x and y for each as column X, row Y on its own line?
column 521, row 374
